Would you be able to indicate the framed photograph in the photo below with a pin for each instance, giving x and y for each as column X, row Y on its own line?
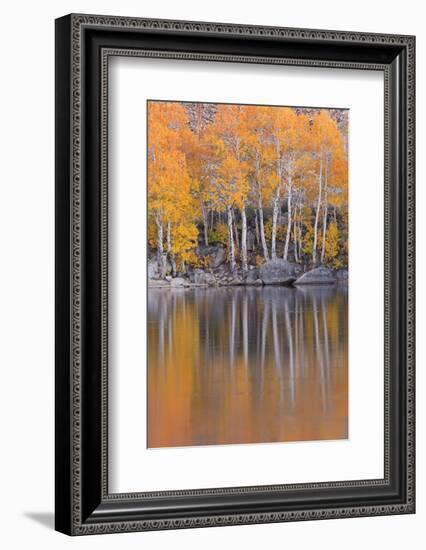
column 234, row 274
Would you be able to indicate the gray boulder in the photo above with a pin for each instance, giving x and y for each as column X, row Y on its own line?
column 279, row 272
column 217, row 258
column 253, row 277
column 196, row 276
column 215, row 255
column 317, row 276
column 200, row 277
column 235, row 280
column 342, row 275
column 153, row 269
column 209, row 279
column 169, row 268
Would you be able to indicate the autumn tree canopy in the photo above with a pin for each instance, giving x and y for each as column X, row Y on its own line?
column 263, row 181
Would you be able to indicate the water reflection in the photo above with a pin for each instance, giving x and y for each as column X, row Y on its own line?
column 247, row 365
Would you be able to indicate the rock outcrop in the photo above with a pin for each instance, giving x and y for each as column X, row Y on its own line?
column 252, row 277
column 215, row 255
column 179, row 282
column 279, row 272
column 317, row 276
column 201, row 277
column 152, row 268
column 342, row 275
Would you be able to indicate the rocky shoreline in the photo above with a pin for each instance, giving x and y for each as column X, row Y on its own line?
column 274, row 272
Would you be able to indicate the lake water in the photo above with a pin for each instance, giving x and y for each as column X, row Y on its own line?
column 247, row 365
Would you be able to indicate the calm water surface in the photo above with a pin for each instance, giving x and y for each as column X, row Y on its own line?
column 247, row 365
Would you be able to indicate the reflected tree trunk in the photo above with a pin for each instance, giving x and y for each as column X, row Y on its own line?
column 170, row 327
column 275, row 337
column 265, row 321
column 161, row 330
column 302, row 338
column 318, row 350
column 232, row 331
column 245, row 322
column 326, row 338
column 291, row 353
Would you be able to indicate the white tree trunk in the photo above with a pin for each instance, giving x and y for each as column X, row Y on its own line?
column 324, row 232
column 276, row 204
column 325, row 212
column 275, row 211
column 289, row 218
column 244, row 239
column 256, row 224
column 262, row 232
column 170, row 251
column 260, row 207
column 231, row 249
column 205, row 223
column 299, row 223
column 296, row 257
column 237, row 240
column 314, row 249
column 160, row 252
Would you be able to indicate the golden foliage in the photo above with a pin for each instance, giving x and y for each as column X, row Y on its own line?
column 332, row 245
column 244, row 156
column 219, row 235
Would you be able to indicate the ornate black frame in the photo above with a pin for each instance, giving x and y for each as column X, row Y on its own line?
column 83, row 46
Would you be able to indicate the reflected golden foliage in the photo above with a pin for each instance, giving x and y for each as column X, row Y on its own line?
column 247, row 365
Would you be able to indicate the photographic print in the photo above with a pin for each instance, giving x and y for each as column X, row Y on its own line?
column 229, row 295
column 248, row 273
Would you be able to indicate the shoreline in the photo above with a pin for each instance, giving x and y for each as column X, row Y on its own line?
column 165, row 285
